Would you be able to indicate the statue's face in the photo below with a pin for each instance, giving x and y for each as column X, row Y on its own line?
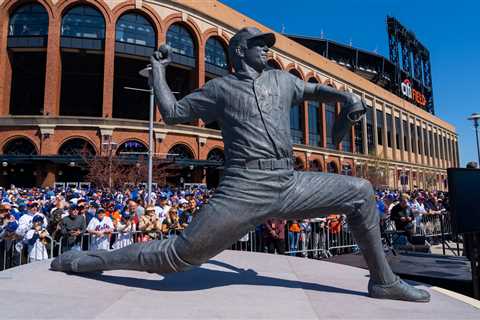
column 256, row 54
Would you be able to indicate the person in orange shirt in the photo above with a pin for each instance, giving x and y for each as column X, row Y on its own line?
column 293, row 237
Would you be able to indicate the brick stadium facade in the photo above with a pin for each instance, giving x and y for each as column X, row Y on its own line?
column 49, row 48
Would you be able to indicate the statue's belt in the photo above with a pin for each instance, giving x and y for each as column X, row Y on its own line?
column 261, row 164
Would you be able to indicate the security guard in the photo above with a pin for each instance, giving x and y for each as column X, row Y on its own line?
column 253, row 106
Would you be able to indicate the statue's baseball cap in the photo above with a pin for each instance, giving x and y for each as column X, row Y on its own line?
column 250, row 33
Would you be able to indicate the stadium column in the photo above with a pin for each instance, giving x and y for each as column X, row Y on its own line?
column 365, row 135
column 108, row 70
column 53, row 73
column 384, row 131
column 415, row 139
column 305, row 123
column 5, row 67
column 337, row 112
column 409, row 138
column 161, row 38
column 374, row 129
column 200, row 76
column 401, row 134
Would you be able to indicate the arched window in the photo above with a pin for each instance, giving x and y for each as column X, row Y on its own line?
column 315, row 165
column 274, row 64
column 181, row 41
column 330, row 116
column 215, row 53
column 133, row 28
column 76, row 147
column 83, row 22
column 347, row 140
column 298, row 164
column 28, row 20
column 332, row 167
column 314, row 121
column 131, row 147
column 296, row 119
column 216, row 155
column 19, row 146
column 179, row 152
column 347, row 169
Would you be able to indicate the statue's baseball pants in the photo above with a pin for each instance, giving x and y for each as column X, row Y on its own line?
column 244, row 199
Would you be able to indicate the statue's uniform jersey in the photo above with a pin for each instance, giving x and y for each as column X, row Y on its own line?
column 254, row 114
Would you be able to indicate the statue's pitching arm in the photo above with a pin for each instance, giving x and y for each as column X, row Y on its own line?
column 352, row 110
column 172, row 111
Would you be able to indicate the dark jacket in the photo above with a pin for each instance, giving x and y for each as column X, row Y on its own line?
column 70, row 223
column 275, row 229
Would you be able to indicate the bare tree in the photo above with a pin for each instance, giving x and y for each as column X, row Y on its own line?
column 375, row 170
column 115, row 171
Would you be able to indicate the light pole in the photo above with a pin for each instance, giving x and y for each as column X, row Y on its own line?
column 475, row 117
column 145, row 72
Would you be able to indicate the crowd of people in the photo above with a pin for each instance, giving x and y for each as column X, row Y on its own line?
column 409, row 212
column 37, row 223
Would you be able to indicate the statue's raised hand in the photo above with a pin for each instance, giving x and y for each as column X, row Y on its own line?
column 161, row 57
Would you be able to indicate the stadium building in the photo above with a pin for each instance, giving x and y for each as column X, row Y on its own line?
column 65, row 66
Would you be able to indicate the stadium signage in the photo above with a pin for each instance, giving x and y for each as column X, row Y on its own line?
column 410, row 92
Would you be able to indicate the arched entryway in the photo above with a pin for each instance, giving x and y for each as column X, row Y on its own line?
column 214, row 174
column 74, row 153
column 17, row 167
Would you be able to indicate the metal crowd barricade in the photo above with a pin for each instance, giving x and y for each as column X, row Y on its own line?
column 341, row 241
column 310, row 242
column 16, row 252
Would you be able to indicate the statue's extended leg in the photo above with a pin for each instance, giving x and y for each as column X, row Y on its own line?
column 240, row 203
column 314, row 193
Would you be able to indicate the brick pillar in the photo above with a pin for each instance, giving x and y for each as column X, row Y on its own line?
column 161, row 39
column 108, row 70
column 5, row 67
column 352, row 140
column 337, row 112
column 305, row 122
column 53, row 76
column 200, row 75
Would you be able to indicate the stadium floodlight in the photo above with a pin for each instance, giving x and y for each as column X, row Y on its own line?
column 475, row 117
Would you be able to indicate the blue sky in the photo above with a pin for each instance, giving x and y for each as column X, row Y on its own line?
column 450, row 30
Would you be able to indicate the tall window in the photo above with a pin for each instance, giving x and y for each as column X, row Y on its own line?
column 135, row 29
column 419, row 141
column 215, row 53
column 347, row 142
column 425, row 141
column 380, row 127
column 405, row 135
column 435, row 143
column 412, row 138
column 397, row 132
column 358, row 127
column 83, row 22
column 29, row 20
column 181, row 41
column 314, row 124
column 330, row 115
column 296, row 124
column 389, row 130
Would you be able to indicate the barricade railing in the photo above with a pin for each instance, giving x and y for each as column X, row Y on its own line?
column 15, row 252
column 341, row 241
column 315, row 240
